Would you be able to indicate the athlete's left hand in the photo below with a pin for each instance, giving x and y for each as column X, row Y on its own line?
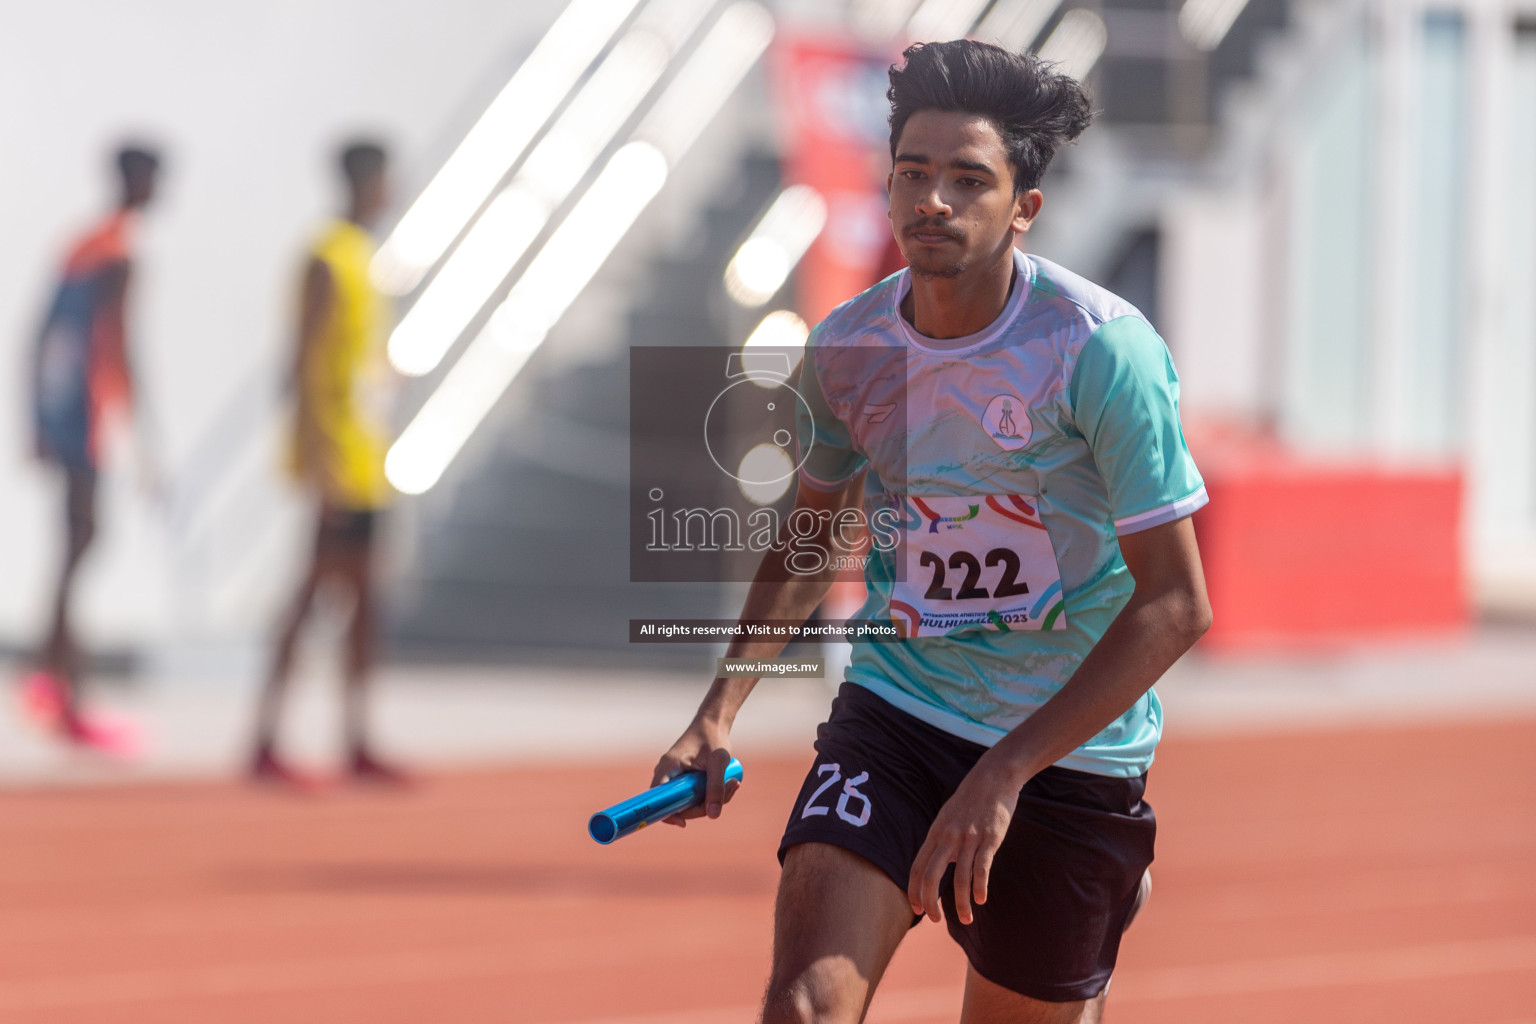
column 967, row 833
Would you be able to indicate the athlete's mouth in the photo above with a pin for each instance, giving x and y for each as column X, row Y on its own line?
column 931, row 235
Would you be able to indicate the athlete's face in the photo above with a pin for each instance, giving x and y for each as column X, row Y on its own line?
column 370, row 197
column 139, row 189
column 953, row 205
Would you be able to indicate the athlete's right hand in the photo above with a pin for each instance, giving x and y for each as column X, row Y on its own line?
column 703, row 747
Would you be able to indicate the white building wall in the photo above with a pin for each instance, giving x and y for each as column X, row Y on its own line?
column 1213, row 306
column 1400, row 328
column 1501, row 368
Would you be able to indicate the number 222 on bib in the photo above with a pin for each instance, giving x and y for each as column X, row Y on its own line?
column 976, row 562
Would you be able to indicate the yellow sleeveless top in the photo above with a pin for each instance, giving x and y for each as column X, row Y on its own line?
column 342, row 382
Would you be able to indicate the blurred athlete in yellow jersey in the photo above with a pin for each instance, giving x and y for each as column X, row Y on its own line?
column 337, row 451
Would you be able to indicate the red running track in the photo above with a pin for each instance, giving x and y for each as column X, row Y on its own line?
column 1322, row 877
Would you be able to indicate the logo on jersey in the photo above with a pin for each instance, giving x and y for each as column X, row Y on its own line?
column 1007, row 422
column 951, row 522
column 879, row 413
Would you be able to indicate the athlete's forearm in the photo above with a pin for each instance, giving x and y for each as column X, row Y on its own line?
column 777, row 595
column 314, row 311
column 113, row 337
column 782, row 594
column 1166, row 614
column 1141, row 644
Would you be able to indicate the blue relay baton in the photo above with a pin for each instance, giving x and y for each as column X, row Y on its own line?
column 663, row 801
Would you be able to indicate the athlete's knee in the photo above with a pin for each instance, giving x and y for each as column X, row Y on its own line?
column 828, row 991
column 838, row 920
column 364, row 611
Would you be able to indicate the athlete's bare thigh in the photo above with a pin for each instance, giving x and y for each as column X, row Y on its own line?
column 836, row 926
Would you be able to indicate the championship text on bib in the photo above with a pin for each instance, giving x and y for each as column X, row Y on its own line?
column 975, row 562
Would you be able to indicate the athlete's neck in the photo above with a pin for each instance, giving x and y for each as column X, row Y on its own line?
column 361, row 217
column 954, row 307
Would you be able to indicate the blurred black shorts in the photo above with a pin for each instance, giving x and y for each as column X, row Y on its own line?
column 1063, row 882
column 345, row 529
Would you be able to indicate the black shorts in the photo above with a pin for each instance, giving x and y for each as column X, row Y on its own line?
column 345, row 529
column 1063, row 882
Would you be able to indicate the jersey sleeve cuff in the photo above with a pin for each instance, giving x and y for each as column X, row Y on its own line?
column 1164, row 514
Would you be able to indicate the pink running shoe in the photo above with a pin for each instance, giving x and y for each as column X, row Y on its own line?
column 42, row 698
column 117, row 737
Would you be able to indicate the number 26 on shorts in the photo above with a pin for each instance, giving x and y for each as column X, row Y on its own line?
column 833, row 773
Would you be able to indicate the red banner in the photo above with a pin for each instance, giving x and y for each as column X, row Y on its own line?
column 836, row 140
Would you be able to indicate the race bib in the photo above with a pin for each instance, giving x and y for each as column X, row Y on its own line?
column 976, row 562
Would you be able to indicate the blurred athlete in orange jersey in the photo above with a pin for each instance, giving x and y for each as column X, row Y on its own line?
column 337, row 451
column 82, row 376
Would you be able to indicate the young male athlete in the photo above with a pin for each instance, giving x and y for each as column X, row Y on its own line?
column 82, row 377
column 337, row 452
column 989, row 767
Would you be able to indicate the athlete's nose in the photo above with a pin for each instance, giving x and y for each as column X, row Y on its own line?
column 932, row 204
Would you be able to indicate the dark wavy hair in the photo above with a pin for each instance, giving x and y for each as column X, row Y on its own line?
column 361, row 159
column 1035, row 108
column 136, row 160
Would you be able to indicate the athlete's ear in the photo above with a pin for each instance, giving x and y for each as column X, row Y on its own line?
column 890, row 179
column 1026, row 207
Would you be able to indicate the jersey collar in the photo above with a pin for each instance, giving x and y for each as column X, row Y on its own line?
column 970, row 342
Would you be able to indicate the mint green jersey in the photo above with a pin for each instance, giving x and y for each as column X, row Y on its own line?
column 1003, row 467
